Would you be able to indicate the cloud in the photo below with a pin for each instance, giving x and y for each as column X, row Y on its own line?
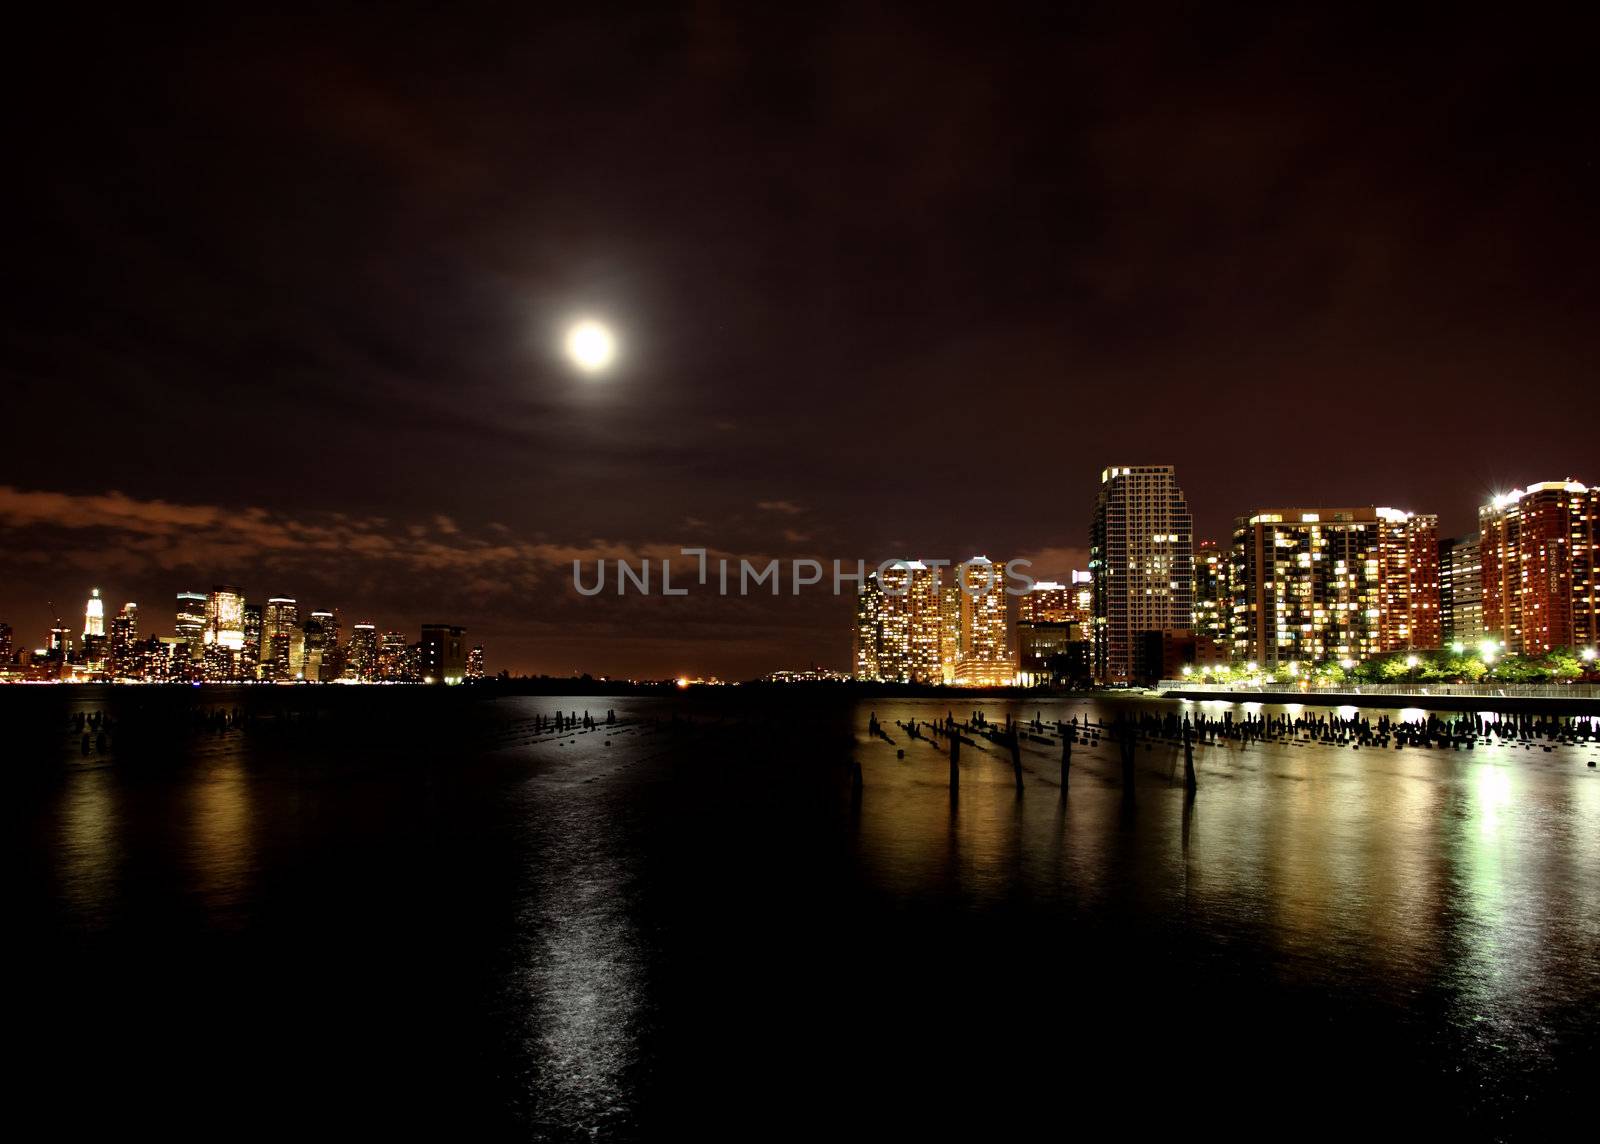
column 788, row 508
column 132, row 536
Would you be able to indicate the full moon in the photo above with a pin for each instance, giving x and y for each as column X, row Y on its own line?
column 590, row 346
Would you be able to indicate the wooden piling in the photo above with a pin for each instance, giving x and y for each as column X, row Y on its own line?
column 1016, row 757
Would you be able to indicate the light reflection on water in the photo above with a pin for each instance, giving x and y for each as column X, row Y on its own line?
column 220, row 840
column 1395, row 871
column 1467, row 881
column 89, row 850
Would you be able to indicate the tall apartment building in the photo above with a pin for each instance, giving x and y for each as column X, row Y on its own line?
column 1461, row 591
column 898, row 625
column 1142, row 559
column 1213, row 603
column 1539, row 550
column 1053, row 625
column 916, row 623
column 982, row 641
column 1320, row 584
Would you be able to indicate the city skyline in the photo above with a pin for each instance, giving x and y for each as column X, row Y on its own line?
column 1415, row 595
column 345, row 320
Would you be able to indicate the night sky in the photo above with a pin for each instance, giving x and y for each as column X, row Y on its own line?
column 285, row 299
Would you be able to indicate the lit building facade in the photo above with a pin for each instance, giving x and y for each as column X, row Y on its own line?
column 900, row 632
column 361, row 659
column 444, row 653
column 475, row 662
column 982, row 644
column 94, row 615
column 1213, row 600
column 94, row 653
column 1047, row 602
column 225, row 618
column 126, row 658
column 1539, row 554
column 254, row 620
column 1461, row 591
column 278, row 620
column 394, row 664
column 190, row 625
column 1141, row 558
column 331, row 665
column 1333, row 584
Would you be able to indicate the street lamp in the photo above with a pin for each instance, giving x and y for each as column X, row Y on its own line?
column 1412, row 661
column 1587, row 655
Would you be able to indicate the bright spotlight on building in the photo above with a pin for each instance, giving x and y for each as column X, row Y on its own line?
column 1487, row 650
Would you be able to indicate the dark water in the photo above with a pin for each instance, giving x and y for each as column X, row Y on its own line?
column 393, row 910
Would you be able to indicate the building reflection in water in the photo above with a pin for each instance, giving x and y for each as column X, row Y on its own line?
column 88, row 857
column 1395, row 871
column 221, row 851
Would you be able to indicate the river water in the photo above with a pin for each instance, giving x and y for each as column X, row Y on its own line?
column 417, row 912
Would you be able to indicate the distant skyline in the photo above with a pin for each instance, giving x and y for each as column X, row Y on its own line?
column 880, row 283
column 446, row 571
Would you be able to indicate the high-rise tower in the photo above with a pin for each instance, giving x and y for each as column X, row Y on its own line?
column 1142, row 558
column 1540, row 547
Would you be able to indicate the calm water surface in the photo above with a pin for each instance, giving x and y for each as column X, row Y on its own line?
column 407, row 912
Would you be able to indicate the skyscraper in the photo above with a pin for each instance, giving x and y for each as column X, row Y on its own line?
column 332, row 662
column 5, row 644
column 94, row 615
column 982, row 646
column 361, row 659
column 898, row 625
column 1333, row 584
column 475, row 662
column 278, row 621
column 225, row 618
column 1540, row 547
column 392, row 658
column 190, row 625
column 126, row 658
column 253, row 622
column 1142, row 558
column 1461, row 591
column 444, row 653
column 1213, row 605
column 94, row 632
